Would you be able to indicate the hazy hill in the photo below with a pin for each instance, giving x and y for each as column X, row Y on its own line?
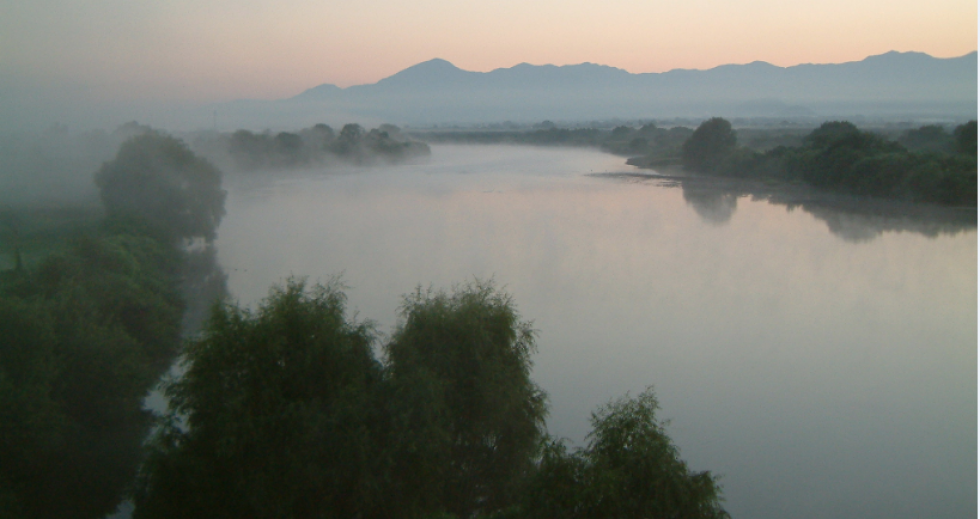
column 904, row 86
column 910, row 84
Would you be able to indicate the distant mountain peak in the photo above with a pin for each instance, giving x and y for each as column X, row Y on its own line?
column 894, row 54
column 435, row 70
column 434, row 63
column 893, row 82
column 433, row 66
column 746, row 67
column 323, row 91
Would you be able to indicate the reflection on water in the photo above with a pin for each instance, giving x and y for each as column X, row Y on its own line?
column 820, row 377
column 858, row 221
column 851, row 218
column 715, row 207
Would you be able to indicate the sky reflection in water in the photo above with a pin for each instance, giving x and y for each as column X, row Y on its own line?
column 821, row 376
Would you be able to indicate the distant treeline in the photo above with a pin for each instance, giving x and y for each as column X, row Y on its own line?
column 320, row 145
column 622, row 140
column 660, row 145
column 926, row 164
column 87, row 332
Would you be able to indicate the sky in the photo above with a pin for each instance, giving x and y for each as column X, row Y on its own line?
column 146, row 51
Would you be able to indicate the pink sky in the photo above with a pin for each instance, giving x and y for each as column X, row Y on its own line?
column 222, row 49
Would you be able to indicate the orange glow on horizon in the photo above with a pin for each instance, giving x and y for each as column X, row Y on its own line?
column 224, row 50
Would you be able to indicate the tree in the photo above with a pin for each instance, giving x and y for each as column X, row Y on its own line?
column 965, row 136
column 349, row 140
column 630, row 468
column 621, row 132
column 250, row 151
column 708, row 146
column 320, row 137
column 832, row 133
column 831, row 152
column 638, row 472
column 289, row 150
column 32, row 424
column 85, row 336
column 469, row 354
column 927, row 138
column 274, row 417
column 156, row 178
column 11, row 223
column 284, row 412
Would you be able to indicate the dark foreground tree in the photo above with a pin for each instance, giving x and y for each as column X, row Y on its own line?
column 273, row 418
column 156, row 178
column 708, row 146
column 83, row 337
column 630, row 468
column 467, row 415
column 283, row 412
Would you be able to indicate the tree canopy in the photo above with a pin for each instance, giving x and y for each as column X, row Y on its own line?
column 86, row 335
column 469, row 353
column 284, row 412
column 156, row 178
column 708, row 146
column 89, row 330
column 274, row 416
column 965, row 136
column 630, row 468
column 924, row 165
column 319, row 145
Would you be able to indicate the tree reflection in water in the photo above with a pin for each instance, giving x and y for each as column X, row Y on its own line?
column 714, row 207
column 852, row 218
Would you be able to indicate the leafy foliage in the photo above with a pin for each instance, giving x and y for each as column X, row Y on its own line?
column 834, row 149
column 90, row 329
column 630, row 468
column 275, row 416
column 32, row 424
column 87, row 333
column 156, row 178
column 468, row 356
column 840, row 157
column 284, row 412
column 709, row 145
column 965, row 136
column 931, row 137
column 319, row 145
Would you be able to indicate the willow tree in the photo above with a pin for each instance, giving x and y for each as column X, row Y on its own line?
column 630, row 468
column 274, row 416
column 468, row 432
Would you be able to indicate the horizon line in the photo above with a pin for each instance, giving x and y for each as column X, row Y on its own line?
column 438, row 59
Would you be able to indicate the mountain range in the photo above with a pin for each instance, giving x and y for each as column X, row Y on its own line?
column 892, row 85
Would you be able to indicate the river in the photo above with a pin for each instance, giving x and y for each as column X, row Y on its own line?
column 822, row 362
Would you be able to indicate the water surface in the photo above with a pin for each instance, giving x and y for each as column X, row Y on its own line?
column 823, row 363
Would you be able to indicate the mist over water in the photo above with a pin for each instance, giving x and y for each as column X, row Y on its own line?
column 820, row 375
